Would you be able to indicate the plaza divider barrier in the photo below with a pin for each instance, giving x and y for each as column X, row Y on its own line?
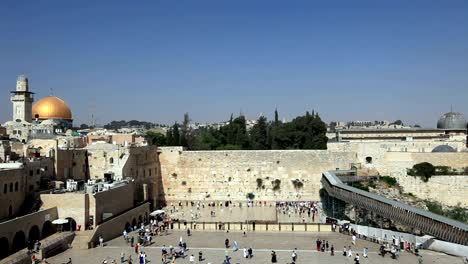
column 252, row 226
column 379, row 235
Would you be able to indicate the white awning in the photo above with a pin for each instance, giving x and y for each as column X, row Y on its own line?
column 157, row 212
column 60, row 221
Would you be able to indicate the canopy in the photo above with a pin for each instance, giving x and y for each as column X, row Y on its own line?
column 157, row 212
column 60, row 221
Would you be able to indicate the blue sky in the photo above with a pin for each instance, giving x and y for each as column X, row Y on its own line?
column 155, row 60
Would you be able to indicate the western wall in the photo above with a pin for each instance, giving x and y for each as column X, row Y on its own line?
column 230, row 175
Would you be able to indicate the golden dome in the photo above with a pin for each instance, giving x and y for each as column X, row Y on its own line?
column 51, row 107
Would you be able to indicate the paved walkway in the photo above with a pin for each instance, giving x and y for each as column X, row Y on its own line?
column 212, row 246
column 238, row 214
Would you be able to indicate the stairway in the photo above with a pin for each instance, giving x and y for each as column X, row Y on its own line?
column 82, row 239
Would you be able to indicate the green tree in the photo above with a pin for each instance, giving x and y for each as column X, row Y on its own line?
column 176, row 134
column 185, row 135
column 258, row 134
column 156, row 138
column 424, row 169
column 169, row 137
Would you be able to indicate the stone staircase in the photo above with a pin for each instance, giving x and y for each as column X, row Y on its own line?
column 82, row 239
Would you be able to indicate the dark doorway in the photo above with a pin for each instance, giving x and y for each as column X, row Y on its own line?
column 127, row 227
column 134, row 223
column 47, row 229
column 34, row 233
column 5, row 247
column 19, row 241
column 71, row 225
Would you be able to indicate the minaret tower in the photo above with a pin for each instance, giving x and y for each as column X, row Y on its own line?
column 22, row 100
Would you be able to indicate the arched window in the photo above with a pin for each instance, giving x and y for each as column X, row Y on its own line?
column 111, row 160
column 5, row 188
column 16, row 186
column 11, row 187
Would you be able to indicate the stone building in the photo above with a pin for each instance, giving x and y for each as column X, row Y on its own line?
column 139, row 163
column 48, row 117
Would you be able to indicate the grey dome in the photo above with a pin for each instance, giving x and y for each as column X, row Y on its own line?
column 452, row 120
column 444, row 148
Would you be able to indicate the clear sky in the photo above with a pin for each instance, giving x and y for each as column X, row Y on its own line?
column 155, row 60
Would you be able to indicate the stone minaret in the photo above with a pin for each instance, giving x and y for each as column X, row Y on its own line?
column 22, row 100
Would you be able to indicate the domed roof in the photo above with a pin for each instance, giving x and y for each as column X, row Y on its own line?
column 51, row 107
column 443, row 148
column 452, row 120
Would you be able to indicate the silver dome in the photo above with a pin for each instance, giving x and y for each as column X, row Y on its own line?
column 452, row 120
column 444, row 148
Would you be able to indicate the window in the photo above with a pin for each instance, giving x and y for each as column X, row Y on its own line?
column 45, row 168
column 144, row 173
column 149, row 172
column 38, row 171
column 16, row 186
column 30, row 173
column 11, row 187
column 111, row 160
column 5, row 188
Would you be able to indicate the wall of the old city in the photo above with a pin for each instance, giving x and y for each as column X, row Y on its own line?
column 230, row 175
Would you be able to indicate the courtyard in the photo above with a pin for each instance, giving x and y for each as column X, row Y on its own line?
column 212, row 246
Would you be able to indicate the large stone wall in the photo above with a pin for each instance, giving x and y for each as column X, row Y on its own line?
column 230, row 175
column 448, row 190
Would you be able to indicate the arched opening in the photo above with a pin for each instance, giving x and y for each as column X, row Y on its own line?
column 368, row 160
column 19, row 241
column 140, row 220
column 47, row 229
column 128, row 228
column 16, row 186
column 11, row 187
column 71, row 225
column 34, row 233
column 5, row 247
column 111, row 160
column 134, row 222
column 10, row 211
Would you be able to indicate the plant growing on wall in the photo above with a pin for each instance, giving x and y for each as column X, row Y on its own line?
column 189, row 190
column 174, row 174
column 276, row 184
column 250, row 196
column 259, row 183
column 184, row 183
column 298, row 184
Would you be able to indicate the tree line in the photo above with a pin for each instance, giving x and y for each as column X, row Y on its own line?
column 303, row 132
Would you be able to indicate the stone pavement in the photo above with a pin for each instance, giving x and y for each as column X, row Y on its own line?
column 212, row 246
column 237, row 214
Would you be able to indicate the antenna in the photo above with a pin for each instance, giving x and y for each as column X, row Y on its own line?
column 51, row 92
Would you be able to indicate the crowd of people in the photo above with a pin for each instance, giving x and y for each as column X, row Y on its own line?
column 301, row 209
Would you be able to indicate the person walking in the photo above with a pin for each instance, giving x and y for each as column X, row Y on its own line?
column 101, row 241
column 200, row 256
column 235, row 247
column 365, row 252
column 345, row 250
column 273, row 257
column 122, row 257
column 136, row 248
column 354, row 239
column 294, row 255
column 245, row 253
column 192, row 258
column 356, row 259
column 226, row 243
column 332, row 250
